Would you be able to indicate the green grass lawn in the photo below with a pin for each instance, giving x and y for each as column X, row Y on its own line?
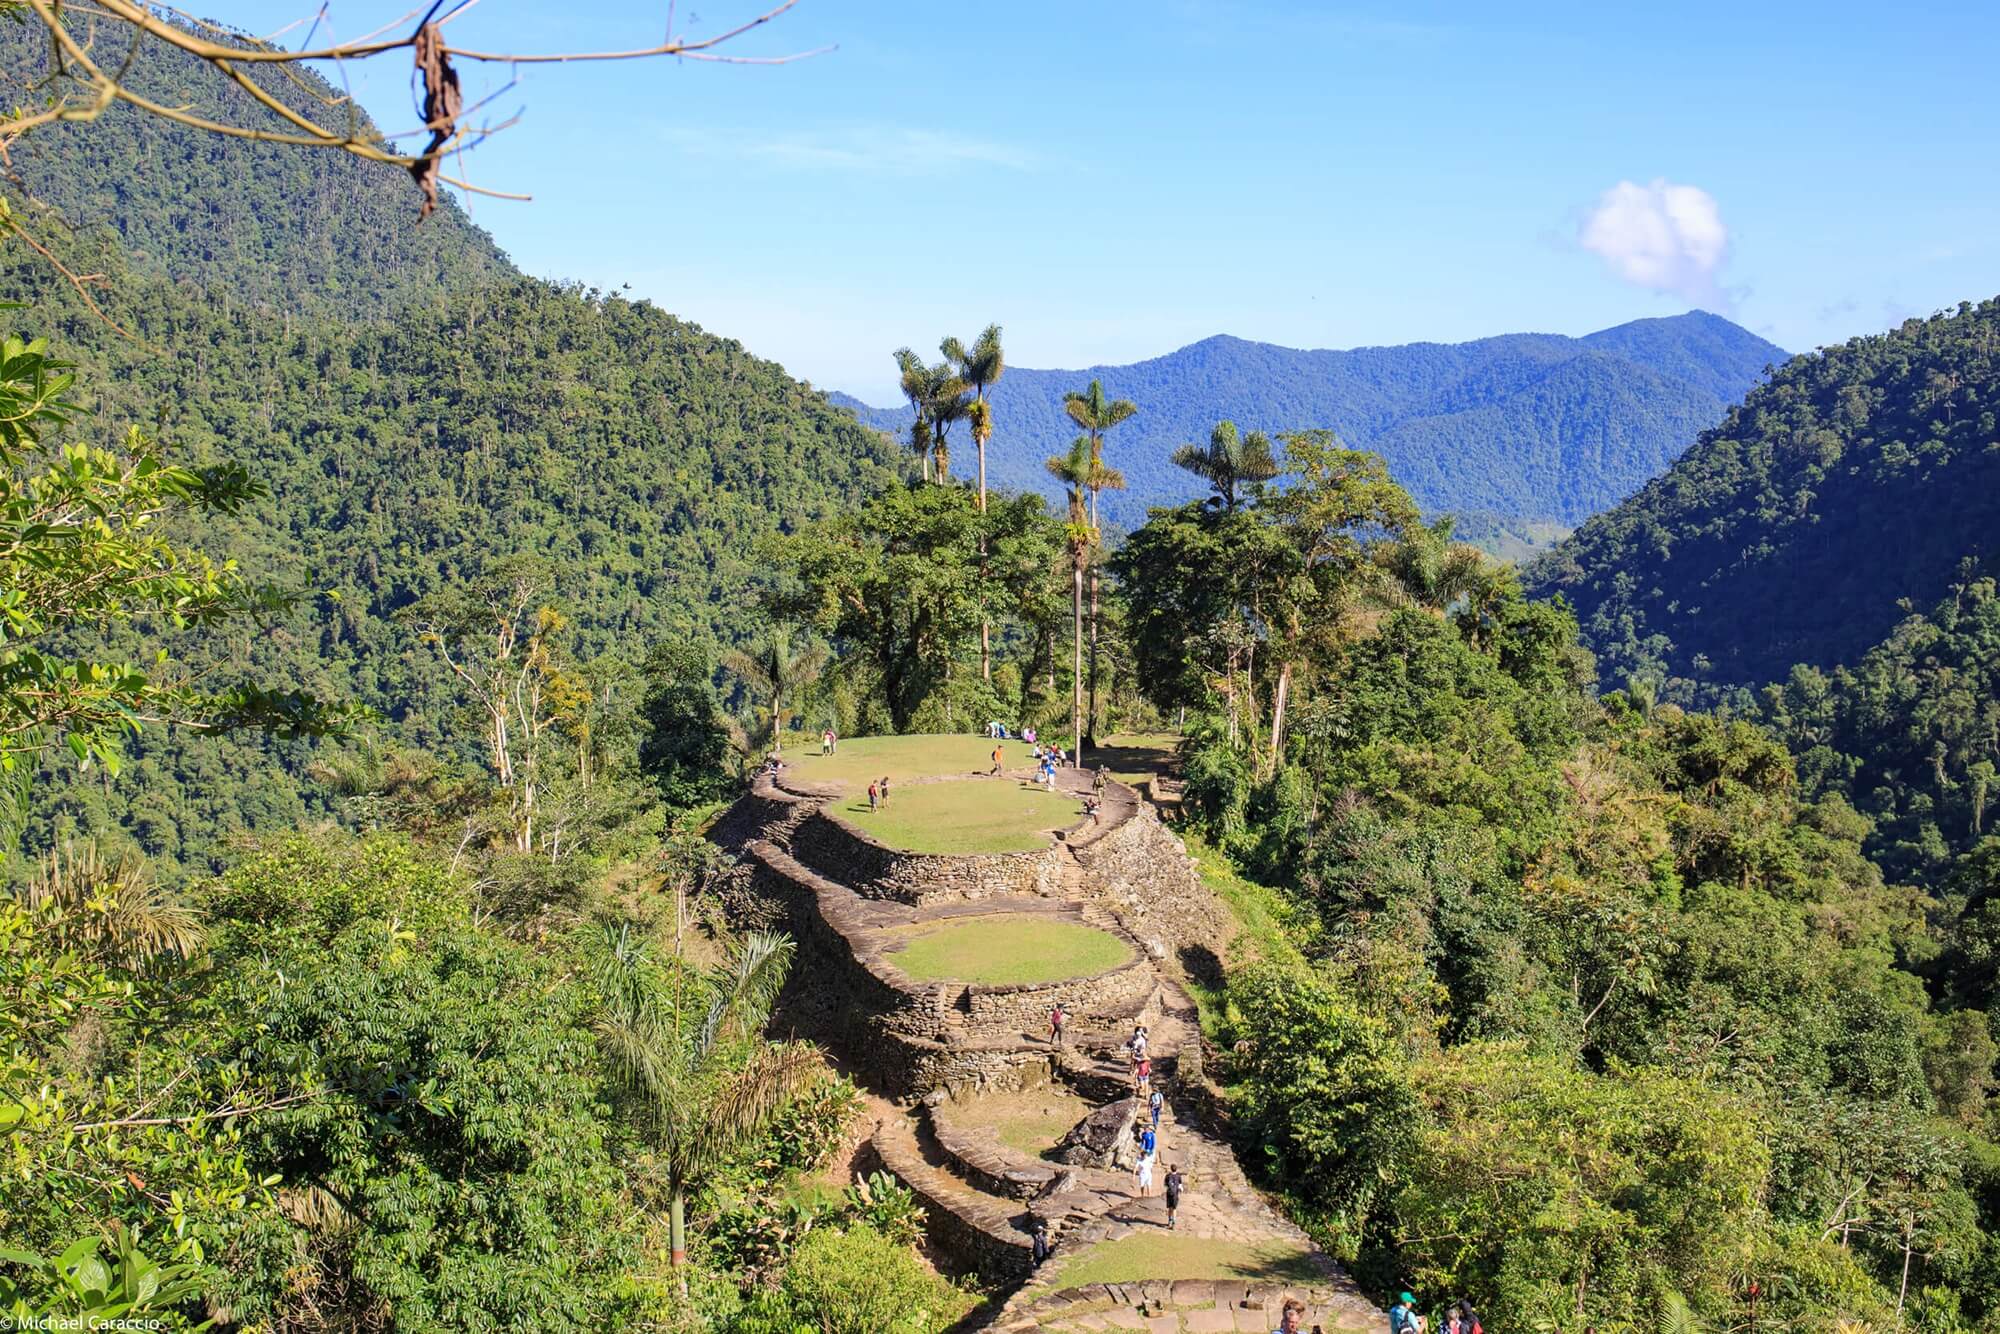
column 1004, row 949
column 901, row 758
column 1030, row 1121
column 1145, row 1255
column 976, row 815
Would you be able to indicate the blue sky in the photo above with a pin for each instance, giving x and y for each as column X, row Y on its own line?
column 1112, row 180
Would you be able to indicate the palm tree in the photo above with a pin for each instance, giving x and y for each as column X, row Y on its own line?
column 1074, row 471
column 688, row 1042
column 915, row 383
column 938, row 396
column 777, row 670
column 1229, row 460
column 1096, row 415
column 1426, row 569
column 979, row 368
column 111, row 908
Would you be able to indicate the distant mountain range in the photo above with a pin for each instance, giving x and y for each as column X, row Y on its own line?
column 1847, row 492
column 1525, row 435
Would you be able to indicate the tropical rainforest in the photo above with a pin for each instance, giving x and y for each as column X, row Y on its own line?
column 1620, row 944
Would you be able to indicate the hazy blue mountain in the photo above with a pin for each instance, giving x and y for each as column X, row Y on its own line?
column 1841, row 496
column 1530, row 432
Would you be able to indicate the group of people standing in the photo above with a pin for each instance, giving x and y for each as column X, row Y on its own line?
column 878, row 793
column 1457, row 1319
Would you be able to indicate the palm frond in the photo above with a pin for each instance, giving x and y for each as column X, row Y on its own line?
column 747, row 988
column 1675, row 1316
column 110, row 907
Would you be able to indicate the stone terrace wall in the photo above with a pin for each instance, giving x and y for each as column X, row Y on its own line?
column 1143, row 869
column 836, row 849
column 1025, row 1007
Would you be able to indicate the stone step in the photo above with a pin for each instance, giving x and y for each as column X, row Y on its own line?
column 975, row 1154
column 978, row 1233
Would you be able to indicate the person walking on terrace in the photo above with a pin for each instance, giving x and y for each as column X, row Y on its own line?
column 1154, row 1104
column 998, row 755
column 874, row 797
column 1056, row 1020
column 1176, row 1183
column 1146, row 1175
column 1042, row 1247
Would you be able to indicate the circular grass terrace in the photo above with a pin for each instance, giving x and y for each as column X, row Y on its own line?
column 973, row 816
column 1008, row 949
column 860, row 760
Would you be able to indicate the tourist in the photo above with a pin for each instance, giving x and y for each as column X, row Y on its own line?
column 997, row 757
column 1468, row 1319
column 1289, row 1317
column 1028, row 735
column 1175, row 1184
column 1146, row 1175
column 1137, row 1044
column 1156, row 1102
column 1042, row 1247
column 826, row 742
column 1056, row 1020
column 874, row 797
column 885, row 792
column 1101, row 781
column 832, row 741
column 1149, row 1141
column 1403, row 1317
column 1143, row 1074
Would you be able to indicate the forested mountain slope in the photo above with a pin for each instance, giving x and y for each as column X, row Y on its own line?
column 418, row 412
column 1532, row 428
column 1831, row 501
column 265, row 223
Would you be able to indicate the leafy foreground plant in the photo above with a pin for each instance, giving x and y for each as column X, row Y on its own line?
column 84, row 1289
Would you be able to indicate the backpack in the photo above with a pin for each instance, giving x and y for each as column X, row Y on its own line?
column 1402, row 1320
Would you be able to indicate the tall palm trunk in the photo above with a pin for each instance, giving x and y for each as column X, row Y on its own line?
column 985, row 625
column 677, row 1236
column 1076, row 668
column 1098, row 534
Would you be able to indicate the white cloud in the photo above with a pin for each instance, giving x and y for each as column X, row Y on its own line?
column 1663, row 237
column 853, row 148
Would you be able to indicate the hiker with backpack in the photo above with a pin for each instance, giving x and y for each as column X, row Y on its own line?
column 1176, row 1183
column 1403, row 1317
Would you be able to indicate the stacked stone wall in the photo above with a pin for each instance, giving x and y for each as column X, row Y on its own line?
column 1143, row 869
column 836, row 849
